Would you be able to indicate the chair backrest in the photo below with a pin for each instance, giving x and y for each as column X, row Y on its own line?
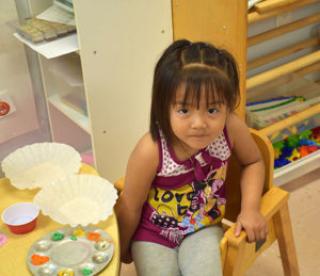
column 233, row 192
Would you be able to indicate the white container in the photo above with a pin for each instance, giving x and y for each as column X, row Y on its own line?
column 20, row 217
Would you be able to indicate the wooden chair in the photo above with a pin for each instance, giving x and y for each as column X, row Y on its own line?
column 236, row 253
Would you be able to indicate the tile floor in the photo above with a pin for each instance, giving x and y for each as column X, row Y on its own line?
column 304, row 211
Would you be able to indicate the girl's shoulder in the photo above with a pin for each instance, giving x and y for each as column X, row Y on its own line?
column 147, row 141
column 235, row 126
column 243, row 143
column 147, row 149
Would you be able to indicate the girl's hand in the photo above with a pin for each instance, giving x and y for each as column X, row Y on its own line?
column 254, row 224
column 126, row 258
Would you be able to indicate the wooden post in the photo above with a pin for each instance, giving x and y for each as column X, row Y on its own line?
column 235, row 254
column 222, row 23
column 287, row 248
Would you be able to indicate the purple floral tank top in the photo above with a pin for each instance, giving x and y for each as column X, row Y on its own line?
column 185, row 196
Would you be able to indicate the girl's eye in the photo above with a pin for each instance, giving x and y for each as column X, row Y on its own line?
column 183, row 111
column 213, row 110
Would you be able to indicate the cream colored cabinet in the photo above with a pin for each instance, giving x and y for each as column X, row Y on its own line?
column 98, row 97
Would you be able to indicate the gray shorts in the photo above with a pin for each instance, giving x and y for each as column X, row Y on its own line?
column 197, row 255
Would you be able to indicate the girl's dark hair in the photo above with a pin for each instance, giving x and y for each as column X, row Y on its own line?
column 201, row 67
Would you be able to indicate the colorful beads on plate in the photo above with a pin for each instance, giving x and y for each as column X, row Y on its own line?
column 93, row 236
column 57, row 236
column 39, row 259
column 100, row 257
column 48, row 270
column 86, row 271
column 66, row 272
column 73, row 237
column 43, row 245
column 78, row 232
column 102, row 245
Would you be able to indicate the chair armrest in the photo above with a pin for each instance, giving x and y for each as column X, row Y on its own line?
column 119, row 184
column 271, row 202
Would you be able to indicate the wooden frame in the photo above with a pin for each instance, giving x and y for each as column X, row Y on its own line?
column 282, row 70
column 308, row 43
column 255, row 16
column 253, row 40
column 271, row 5
column 236, row 253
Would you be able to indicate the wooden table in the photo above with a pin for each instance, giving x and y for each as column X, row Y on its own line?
column 13, row 253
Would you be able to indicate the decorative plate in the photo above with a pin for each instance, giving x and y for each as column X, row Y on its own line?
column 71, row 252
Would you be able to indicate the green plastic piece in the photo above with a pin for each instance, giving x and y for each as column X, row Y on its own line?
column 86, row 271
column 57, row 236
column 305, row 134
column 279, row 145
column 73, row 237
column 293, row 141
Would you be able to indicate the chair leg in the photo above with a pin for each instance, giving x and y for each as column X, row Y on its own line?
column 233, row 263
column 284, row 234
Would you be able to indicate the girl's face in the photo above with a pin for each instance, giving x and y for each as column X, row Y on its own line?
column 194, row 126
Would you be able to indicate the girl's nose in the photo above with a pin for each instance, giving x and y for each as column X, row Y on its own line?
column 198, row 121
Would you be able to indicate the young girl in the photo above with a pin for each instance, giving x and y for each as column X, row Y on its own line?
column 173, row 201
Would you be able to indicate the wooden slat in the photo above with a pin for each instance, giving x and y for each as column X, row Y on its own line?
column 283, row 52
column 292, row 120
column 270, row 5
column 310, row 69
column 282, row 70
column 253, row 40
column 255, row 16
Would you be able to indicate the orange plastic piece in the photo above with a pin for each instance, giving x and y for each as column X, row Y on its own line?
column 304, row 151
column 38, row 259
column 93, row 236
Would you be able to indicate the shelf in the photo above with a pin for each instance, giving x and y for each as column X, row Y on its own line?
column 284, row 52
column 68, row 69
column 55, row 48
column 297, row 168
column 290, row 27
column 292, row 120
column 255, row 16
column 271, row 5
column 282, row 70
column 75, row 116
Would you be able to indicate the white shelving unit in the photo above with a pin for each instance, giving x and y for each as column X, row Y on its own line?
column 78, row 118
column 97, row 82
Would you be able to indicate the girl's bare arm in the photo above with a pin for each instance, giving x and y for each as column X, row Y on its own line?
column 141, row 170
column 252, row 179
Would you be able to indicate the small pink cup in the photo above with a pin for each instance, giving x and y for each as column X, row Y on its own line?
column 21, row 217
